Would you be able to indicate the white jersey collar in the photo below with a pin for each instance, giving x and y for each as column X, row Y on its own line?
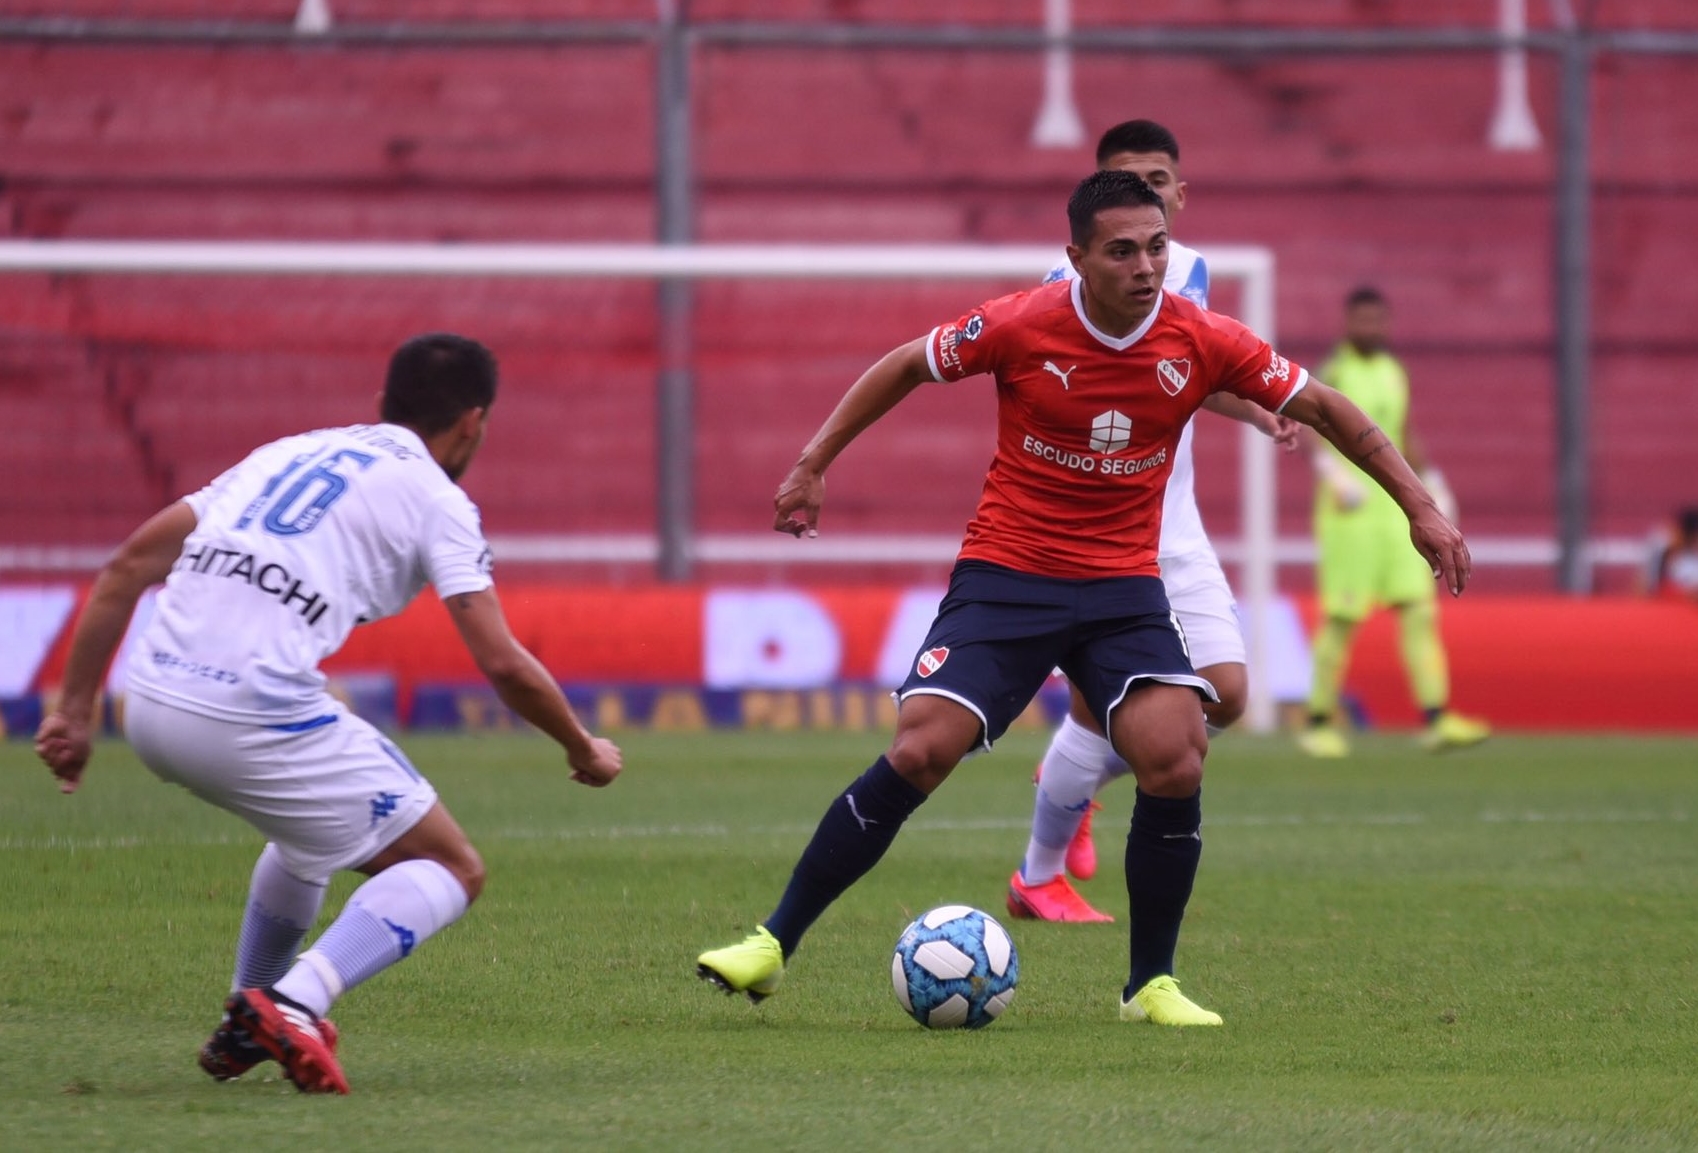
column 1118, row 343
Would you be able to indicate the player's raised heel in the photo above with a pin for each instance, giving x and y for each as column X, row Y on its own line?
column 1161, row 1003
column 291, row 1036
column 754, row 966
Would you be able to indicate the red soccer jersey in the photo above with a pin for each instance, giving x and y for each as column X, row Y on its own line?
column 1087, row 424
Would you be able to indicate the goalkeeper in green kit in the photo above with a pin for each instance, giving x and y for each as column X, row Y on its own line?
column 1363, row 559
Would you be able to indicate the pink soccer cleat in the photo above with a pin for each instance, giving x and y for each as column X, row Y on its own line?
column 1054, row 900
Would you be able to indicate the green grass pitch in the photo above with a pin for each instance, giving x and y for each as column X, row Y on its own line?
column 1492, row 950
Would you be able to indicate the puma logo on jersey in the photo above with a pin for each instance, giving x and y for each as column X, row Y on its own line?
column 1049, row 366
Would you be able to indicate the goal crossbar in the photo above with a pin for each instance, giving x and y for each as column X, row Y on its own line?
column 639, row 261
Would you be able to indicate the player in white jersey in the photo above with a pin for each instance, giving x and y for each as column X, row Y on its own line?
column 266, row 571
column 1080, row 760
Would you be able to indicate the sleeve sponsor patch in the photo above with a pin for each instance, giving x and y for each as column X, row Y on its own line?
column 948, row 351
column 966, row 346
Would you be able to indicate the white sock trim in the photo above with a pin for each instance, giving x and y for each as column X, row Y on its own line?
column 325, row 971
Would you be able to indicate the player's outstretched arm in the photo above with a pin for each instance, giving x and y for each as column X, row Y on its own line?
column 141, row 562
column 796, row 506
column 527, row 688
column 1331, row 414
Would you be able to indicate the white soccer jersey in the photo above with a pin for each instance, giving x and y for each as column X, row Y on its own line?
column 306, row 538
column 1181, row 524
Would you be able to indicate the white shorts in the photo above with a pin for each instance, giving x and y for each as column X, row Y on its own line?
column 330, row 793
column 1202, row 600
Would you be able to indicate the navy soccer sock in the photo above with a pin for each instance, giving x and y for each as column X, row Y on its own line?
column 852, row 836
column 1162, row 852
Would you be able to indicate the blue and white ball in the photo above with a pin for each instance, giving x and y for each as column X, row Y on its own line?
column 955, row 967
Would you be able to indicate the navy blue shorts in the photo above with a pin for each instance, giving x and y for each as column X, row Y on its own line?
column 1000, row 633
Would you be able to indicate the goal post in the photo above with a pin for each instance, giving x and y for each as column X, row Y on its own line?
column 1252, row 268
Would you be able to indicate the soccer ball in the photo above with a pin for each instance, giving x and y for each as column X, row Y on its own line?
column 954, row 967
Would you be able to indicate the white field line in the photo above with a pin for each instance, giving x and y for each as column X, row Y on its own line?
column 1003, row 824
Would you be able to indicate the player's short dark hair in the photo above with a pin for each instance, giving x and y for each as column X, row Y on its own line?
column 1101, row 191
column 434, row 379
column 1365, row 294
column 1137, row 136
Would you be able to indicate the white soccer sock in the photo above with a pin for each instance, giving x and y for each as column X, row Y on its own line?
column 1072, row 771
column 384, row 921
column 281, row 908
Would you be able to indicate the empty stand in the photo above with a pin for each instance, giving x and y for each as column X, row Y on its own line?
column 1355, row 168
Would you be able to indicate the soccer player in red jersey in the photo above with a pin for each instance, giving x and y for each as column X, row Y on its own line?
column 1096, row 379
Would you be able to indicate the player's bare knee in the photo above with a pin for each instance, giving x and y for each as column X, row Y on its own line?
column 463, row 862
column 924, row 756
column 932, row 735
column 1174, row 767
column 1180, row 775
column 922, row 762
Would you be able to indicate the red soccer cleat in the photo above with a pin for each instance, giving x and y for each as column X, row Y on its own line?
column 1082, row 850
column 1054, row 900
column 291, row 1036
column 230, row 1051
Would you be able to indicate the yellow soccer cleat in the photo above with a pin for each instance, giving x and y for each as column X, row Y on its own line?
column 1161, row 1003
column 754, row 966
column 1323, row 741
column 1454, row 731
